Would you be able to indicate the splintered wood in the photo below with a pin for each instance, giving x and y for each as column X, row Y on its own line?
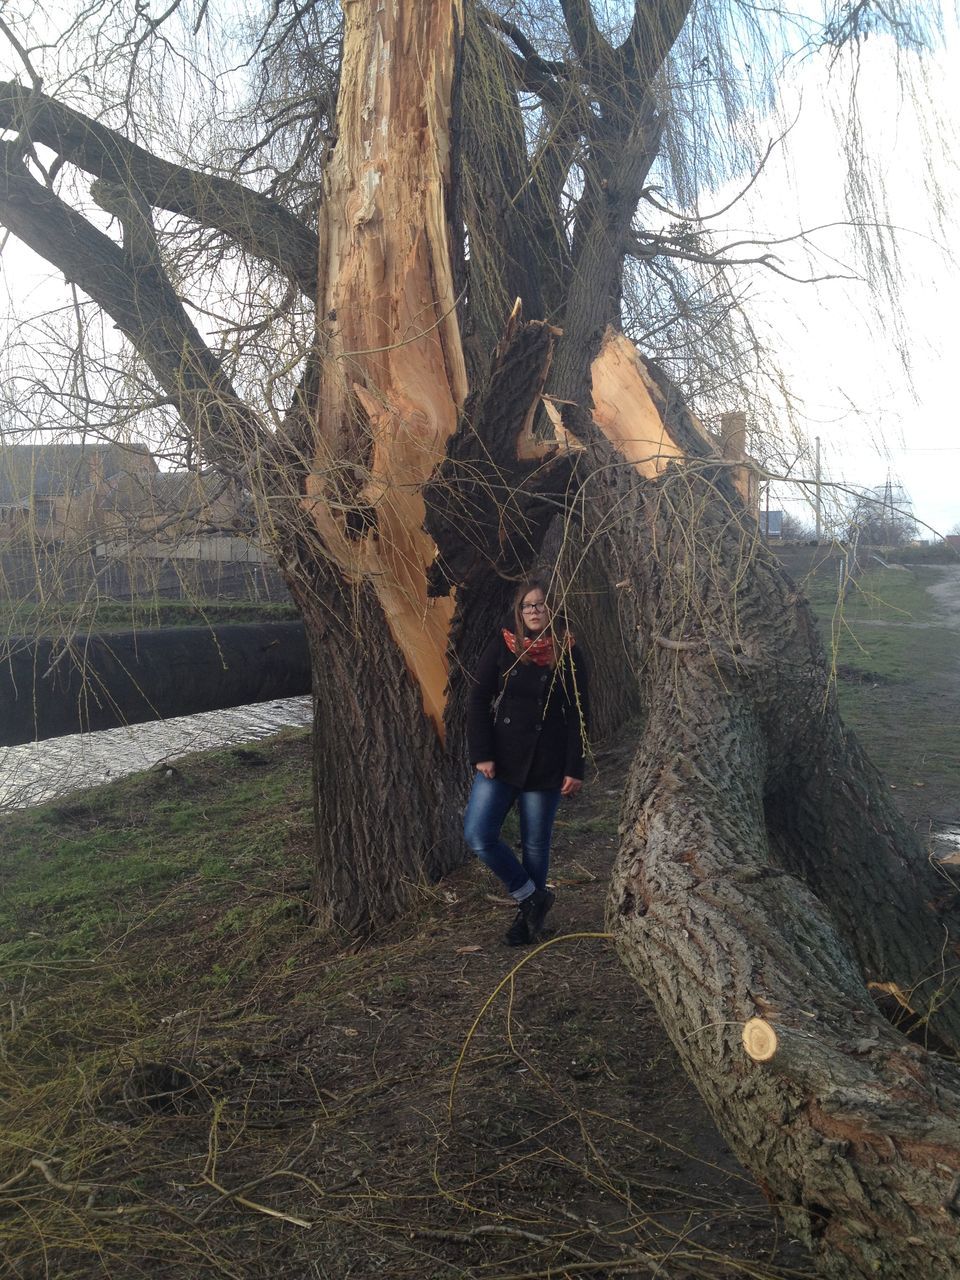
column 629, row 408
column 394, row 379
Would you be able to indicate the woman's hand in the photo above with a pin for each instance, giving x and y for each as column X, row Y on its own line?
column 487, row 768
column 569, row 787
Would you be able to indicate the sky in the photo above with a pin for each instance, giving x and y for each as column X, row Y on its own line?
column 876, row 417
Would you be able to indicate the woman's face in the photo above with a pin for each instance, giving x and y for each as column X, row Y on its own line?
column 533, row 607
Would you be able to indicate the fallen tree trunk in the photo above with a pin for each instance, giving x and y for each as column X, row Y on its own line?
column 764, row 878
column 851, row 1130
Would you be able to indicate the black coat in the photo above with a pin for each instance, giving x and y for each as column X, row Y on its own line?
column 530, row 721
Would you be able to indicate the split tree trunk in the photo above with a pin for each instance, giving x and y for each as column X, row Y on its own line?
column 399, row 599
column 391, row 386
column 764, row 877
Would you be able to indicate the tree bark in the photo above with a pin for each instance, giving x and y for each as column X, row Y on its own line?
column 261, row 225
column 764, row 875
column 852, row 1131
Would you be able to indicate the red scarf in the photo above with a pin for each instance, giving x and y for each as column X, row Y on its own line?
column 542, row 651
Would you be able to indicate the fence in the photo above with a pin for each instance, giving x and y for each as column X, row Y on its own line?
column 38, row 574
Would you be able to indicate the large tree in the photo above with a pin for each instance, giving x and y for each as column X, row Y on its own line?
column 383, row 190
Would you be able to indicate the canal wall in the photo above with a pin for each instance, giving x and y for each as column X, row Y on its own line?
column 51, row 686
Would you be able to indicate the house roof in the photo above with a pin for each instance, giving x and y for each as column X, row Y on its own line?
column 55, row 470
column 169, row 493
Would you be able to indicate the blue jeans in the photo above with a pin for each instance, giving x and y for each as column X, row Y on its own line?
column 490, row 802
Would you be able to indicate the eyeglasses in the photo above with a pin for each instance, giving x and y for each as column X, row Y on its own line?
column 533, row 608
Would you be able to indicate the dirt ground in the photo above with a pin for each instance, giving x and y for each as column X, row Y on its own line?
column 220, row 1091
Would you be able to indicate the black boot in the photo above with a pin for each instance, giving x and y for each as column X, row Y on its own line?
column 529, row 918
column 518, row 935
column 539, row 903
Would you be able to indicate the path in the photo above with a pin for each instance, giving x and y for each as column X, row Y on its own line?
column 946, row 592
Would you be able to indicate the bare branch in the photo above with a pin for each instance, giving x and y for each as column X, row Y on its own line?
column 591, row 46
column 656, row 25
column 523, row 44
column 649, row 245
column 260, row 225
column 136, row 294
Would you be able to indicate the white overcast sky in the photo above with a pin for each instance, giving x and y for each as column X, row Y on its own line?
column 874, row 418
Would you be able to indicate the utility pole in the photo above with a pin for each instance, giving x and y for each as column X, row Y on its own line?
column 817, row 489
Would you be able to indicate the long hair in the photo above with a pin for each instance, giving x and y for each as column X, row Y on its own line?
column 557, row 625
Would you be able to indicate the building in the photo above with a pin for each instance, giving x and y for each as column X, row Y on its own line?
column 79, row 495
column 52, row 493
column 732, row 441
column 167, row 506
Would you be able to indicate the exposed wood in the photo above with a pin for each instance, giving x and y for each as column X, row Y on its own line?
column 630, row 409
column 625, row 408
column 759, row 1040
column 394, row 379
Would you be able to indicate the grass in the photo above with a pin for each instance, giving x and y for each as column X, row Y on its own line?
column 74, row 873
column 897, row 656
column 20, row 617
column 197, row 1082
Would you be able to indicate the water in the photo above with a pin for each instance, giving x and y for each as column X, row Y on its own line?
column 43, row 770
column 946, row 843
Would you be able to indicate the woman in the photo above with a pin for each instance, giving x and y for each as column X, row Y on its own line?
column 526, row 733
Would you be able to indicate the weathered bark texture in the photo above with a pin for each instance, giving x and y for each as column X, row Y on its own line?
column 852, row 1131
column 378, row 841
column 764, row 874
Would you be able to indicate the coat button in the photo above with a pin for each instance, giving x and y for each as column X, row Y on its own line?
column 539, row 727
column 506, row 719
